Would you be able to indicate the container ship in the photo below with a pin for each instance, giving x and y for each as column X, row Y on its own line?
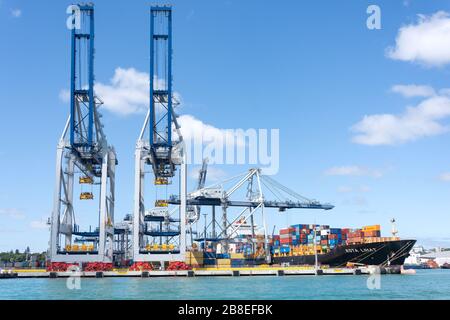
column 306, row 244
column 338, row 247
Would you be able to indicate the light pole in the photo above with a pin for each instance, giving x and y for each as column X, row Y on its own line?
column 204, row 235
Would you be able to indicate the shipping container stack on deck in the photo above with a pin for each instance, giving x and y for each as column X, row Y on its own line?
column 244, row 251
column 299, row 239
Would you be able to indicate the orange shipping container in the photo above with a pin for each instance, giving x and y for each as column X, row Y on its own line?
column 376, row 227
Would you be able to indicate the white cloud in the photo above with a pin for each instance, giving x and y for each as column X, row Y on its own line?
column 354, row 171
column 192, row 128
column 426, row 42
column 445, row 177
column 16, row 13
column 12, row 213
column 127, row 93
column 413, row 90
column 416, row 122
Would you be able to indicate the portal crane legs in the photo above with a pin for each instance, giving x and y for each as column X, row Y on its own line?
column 62, row 220
column 139, row 226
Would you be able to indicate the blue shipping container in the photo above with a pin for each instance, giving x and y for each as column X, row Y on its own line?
column 209, row 255
column 209, row 262
column 285, row 249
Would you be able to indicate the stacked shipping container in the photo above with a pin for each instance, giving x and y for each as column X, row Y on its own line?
column 301, row 238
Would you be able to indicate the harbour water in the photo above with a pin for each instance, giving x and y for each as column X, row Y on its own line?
column 425, row 284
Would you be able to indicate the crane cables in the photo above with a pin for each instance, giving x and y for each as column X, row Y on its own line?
column 221, row 183
column 279, row 186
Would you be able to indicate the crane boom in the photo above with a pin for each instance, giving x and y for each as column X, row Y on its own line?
column 202, row 174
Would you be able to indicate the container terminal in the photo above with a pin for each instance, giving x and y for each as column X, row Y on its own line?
column 161, row 237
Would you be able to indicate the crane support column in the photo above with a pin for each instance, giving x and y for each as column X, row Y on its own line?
column 183, row 206
column 225, row 227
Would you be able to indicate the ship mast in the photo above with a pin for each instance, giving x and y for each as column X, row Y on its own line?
column 394, row 230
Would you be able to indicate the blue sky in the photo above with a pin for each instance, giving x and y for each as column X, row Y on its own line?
column 310, row 68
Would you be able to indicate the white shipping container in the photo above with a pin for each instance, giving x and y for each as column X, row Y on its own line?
column 232, row 247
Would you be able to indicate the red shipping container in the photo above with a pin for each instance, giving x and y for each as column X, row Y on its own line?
column 286, row 231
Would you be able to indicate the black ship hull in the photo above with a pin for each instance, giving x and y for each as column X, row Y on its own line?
column 389, row 253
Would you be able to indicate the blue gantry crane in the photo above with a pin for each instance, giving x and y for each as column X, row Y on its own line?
column 159, row 232
column 83, row 151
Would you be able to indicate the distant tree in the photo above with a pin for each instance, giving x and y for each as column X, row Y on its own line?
column 16, row 256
